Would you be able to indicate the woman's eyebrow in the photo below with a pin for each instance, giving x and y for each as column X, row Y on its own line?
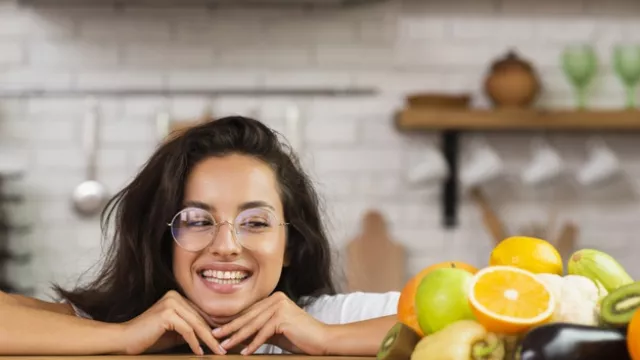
column 255, row 204
column 244, row 206
column 199, row 205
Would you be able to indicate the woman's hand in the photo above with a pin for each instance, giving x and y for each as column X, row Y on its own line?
column 171, row 321
column 279, row 321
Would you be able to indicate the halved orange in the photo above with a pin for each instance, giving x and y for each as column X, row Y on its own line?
column 510, row 300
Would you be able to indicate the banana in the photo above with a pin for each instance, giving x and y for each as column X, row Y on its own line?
column 600, row 267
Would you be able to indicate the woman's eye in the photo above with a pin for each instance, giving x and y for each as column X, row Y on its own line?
column 199, row 223
column 255, row 224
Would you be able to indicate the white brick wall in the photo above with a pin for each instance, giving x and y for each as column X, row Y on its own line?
column 352, row 149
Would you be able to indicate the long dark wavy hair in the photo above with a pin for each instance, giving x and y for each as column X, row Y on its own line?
column 136, row 270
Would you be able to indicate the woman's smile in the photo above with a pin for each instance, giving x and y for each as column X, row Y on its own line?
column 224, row 278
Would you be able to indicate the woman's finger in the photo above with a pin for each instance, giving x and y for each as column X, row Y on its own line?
column 249, row 329
column 173, row 299
column 201, row 329
column 206, row 318
column 174, row 322
column 190, row 313
column 267, row 331
column 245, row 318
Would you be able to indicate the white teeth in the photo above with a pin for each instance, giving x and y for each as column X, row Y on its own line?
column 222, row 281
column 225, row 275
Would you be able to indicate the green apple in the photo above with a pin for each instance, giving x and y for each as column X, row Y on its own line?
column 442, row 298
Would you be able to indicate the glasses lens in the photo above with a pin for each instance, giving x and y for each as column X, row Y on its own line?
column 192, row 228
column 253, row 225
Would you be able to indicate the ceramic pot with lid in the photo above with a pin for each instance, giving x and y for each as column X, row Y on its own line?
column 512, row 82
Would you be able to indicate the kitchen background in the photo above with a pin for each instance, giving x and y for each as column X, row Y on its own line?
column 350, row 145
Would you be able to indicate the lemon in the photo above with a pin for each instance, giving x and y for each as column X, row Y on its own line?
column 532, row 254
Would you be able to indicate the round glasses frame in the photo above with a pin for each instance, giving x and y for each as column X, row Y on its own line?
column 216, row 228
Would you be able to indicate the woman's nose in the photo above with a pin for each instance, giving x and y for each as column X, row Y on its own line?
column 225, row 242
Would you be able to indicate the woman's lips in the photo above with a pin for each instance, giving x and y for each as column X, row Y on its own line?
column 224, row 278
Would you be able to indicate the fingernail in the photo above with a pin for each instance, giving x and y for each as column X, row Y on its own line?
column 244, row 351
column 225, row 343
column 201, row 351
column 216, row 331
column 222, row 350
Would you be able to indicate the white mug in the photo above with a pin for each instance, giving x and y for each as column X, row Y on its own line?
column 484, row 165
column 545, row 164
column 432, row 168
column 601, row 165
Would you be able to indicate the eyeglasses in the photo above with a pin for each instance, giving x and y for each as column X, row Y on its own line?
column 194, row 229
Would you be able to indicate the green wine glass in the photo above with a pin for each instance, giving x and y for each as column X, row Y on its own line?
column 626, row 63
column 580, row 63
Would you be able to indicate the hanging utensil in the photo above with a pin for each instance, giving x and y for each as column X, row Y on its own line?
column 91, row 195
column 566, row 241
column 490, row 217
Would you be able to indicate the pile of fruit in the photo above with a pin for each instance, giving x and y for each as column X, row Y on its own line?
column 524, row 305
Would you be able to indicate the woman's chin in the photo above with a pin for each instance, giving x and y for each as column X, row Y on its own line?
column 222, row 311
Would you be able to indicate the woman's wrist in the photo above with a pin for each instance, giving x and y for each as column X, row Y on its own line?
column 345, row 340
column 361, row 338
column 331, row 333
column 118, row 338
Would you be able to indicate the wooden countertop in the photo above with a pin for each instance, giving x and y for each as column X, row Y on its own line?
column 186, row 357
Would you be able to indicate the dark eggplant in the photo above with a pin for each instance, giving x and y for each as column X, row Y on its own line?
column 564, row 341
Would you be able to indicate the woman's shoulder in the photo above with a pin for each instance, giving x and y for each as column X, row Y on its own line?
column 352, row 307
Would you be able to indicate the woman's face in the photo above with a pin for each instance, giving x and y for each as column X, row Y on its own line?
column 233, row 271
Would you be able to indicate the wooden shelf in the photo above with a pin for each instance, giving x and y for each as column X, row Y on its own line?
column 516, row 120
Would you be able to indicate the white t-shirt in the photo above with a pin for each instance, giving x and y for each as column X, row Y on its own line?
column 336, row 309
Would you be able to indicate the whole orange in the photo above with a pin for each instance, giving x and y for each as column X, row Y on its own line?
column 407, row 300
column 633, row 336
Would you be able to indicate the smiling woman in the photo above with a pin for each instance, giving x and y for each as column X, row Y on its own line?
column 219, row 245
